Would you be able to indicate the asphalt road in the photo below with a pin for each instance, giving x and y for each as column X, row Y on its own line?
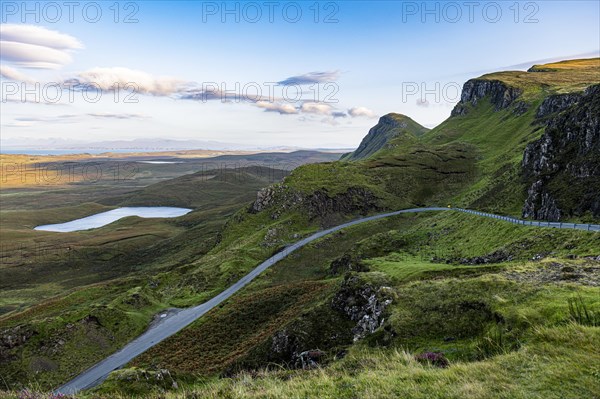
column 176, row 322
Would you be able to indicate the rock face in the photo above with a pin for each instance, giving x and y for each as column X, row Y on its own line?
column 500, row 94
column 355, row 199
column 557, row 103
column 276, row 194
column 323, row 333
column 288, row 344
column 264, row 198
column 319, row 204
column 364, row 303
column 562, row 168
column 540, row 205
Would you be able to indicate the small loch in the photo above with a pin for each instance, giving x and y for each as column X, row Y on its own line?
column 104, row 218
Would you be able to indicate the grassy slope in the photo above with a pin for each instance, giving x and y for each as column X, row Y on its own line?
column 428, row 309
column 423, row 236
column 448, row 160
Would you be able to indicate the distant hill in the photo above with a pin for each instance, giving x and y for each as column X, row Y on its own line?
column 140, row 145
column 392, row 129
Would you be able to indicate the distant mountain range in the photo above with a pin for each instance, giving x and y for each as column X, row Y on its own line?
column 141, row 145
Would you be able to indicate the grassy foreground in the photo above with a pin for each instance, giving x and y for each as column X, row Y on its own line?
column 504, row 326
column 560, row 362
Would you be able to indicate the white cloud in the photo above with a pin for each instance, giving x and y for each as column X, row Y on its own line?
column 12, row 74
column 38, row 35
column 310, row 78
column 286, row 109
column 33, row 56
column 316, row 108
column 361, row 111
column 31, row 46
column 130, row 79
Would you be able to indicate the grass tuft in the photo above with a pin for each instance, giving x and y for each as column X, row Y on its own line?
column 581, row 314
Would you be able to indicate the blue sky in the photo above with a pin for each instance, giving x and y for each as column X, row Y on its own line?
column 379, row 57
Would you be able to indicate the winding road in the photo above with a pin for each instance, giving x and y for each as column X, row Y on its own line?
column 176, row 322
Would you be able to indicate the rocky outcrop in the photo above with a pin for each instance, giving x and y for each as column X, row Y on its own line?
column 310, row 359
column 264, row 198
column 562, row 168
column 312, row 339
column 364, row 302
column 12, row 338
column 355, row 199
column 386, row 129
column 500, row 94
column 319, row 204
column 520, row 108
column 288, row 344
column 323, row 333
column 278, row 198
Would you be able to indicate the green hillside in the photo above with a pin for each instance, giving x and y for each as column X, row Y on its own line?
column 445, row 302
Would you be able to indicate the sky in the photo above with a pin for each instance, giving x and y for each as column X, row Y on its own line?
column 265, row 73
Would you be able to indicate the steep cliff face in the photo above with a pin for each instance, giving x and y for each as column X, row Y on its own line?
column 557, row 103
column 391, row 126
column 562, row 168
column 501, row 95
